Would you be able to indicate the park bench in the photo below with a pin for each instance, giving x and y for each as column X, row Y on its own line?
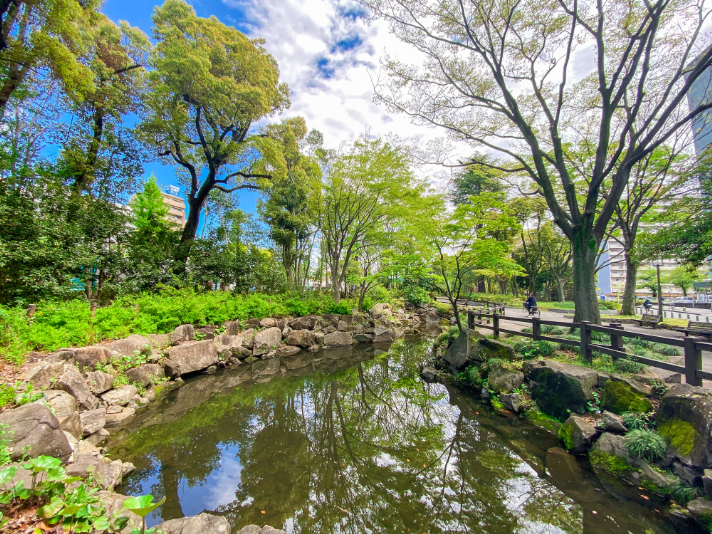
column 698, row 328
column 648, row 319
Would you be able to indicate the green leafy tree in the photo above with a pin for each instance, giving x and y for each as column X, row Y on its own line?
column 209, row 85
column 648, row 278
column 683, row 277
column 475, row 180
column 494, row 81
column 148, row 207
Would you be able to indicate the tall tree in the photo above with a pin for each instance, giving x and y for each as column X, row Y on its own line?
column 38, row 36
column 209, row 85
column 501, row 75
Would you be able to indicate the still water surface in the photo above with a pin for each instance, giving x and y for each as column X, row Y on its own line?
column 353, row 441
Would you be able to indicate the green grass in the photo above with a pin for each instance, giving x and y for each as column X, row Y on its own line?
column 69, row 323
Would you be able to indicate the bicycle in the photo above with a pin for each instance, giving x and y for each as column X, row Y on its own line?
column 534, row 312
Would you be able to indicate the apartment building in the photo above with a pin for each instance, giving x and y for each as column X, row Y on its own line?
column 176, row 209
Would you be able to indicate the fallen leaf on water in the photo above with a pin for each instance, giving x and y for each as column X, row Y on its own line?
column 263, row 512
column 645, row 497
column 345, row 511
column 425, row 465
column 407, row 460
column 595, row 512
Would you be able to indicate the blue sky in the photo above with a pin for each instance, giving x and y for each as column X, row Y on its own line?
column 326, row 54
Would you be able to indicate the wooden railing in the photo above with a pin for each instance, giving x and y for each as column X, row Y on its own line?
column 692, row 346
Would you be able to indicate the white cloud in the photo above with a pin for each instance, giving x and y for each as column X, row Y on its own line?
column 328, row 55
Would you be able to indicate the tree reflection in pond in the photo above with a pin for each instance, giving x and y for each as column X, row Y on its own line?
column 356, row 444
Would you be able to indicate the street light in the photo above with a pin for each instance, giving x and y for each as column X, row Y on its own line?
column 658, row 264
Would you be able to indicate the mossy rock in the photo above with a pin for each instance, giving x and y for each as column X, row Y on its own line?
column 684, row 419
column 620, row 397
column 497, row 349
column 608, row 454
column 543, row 421
column 560, row 389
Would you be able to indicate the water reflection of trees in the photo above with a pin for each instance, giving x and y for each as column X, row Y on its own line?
column 367, row 449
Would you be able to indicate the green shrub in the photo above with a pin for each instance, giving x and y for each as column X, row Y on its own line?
column 552, row 330
column 340, row 308
column 444, row 310
column 609, row 305
column 645, row 445
column 529, row 348
column 624, row 365
column 682, row 494
column 642, row 343
column 416, row 295
column 667, row 350
column 638, row 421
column 7, row 395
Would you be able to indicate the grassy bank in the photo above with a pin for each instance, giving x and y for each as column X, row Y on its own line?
column 69, row 323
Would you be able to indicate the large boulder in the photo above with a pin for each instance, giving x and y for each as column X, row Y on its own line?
column 254, row 529
column 288, row 350
column 460, row 353
column 577, row 435
column 86, row 358
column 145, row 374
column 119, row 396
column 304, row 323
column 262, row 368
column 301, row 338
column 383, row 335
column 73, row 383
column 701, row 511
column 99, row 382
column 559, row 388
column 231, row 328
column 685, row 420
column 268, row 322
column 621, row 394
column 128, row 346
column 184, row 332
column 64, row 407
column 609, row 454
column 338, row 339
column 497, row 349
column 199, row 524
column 191, row 357
column 104, row 472
column 93, row 420
column 32, row 429
column 503, row 381
column 119, row 418
column 44, row 375
column 160, row 340
column 267, row 340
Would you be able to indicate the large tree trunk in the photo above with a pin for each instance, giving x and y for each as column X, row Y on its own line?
column 585, row 251
column 560, row 289
column 631, row 278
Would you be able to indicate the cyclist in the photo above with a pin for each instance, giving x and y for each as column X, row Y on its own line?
column 647, row 304
column 530, row 304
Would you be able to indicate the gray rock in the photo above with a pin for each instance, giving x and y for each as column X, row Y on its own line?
column 610, row 422
column 268, row 322
column 363, row 338
column 338, row 339
column 44, row 375
column 303, row 323
column 558, row 387
column 65, row 410
column 690, row 475
column 34, row 428
column 430, row 374
column 160, row 340
column 191, row 357
column 97, row 467
column 687, row 411
column 184, row 332
column 117, row 419
column 383, row 335
column 248, row 339
column 86, row 358
column 114, row 506
column 707, row 483
column 93, row 420
column 199, row 524
column 262, row 368
column 62, row 355
column 511, row 401
column 602, row 379
column 99, row 382
column 288, row 350
column 73, row 383
column 98, row 437
column 119, row 396
column 658, row 479
column 497, row 349
column 301, row 338
column 503, row 381
column 253, row 323
column 144, row 374
column 232, row 328
column 266, row 341
column 318, row 338
column 609, row 446
column 432, row 317
column 485, row 394
column 577, row 434
column 128, row 346
column 459, row 355
column 701, row 511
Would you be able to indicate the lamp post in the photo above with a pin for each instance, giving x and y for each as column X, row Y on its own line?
column 658, row 264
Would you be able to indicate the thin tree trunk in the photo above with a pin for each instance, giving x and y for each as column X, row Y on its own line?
column 631, row 279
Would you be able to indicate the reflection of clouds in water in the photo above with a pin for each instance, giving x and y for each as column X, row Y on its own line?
column 217, row 489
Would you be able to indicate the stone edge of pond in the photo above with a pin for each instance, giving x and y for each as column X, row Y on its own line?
column 547, row 392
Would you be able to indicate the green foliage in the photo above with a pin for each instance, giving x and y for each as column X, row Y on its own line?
column 529, row 348
column 619, row 397
column 666, row 350
column 682, row 494
column 341, row 308
column 645, row 444
column 416, row 295
column 638, row 421
column 552, row 330
column 7, row 395
column 625, row 365
column 614, row 465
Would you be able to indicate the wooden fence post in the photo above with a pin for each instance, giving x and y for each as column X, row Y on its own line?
column 470, row 320
column 31, row 309
column 536, row 328
column 617, row 339
column 495, row 325
column 693, row 361
column 586, row 353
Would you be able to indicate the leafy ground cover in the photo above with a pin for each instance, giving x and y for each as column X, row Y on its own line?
column 58, row 324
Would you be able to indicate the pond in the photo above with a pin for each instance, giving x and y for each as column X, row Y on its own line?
column 353, row 441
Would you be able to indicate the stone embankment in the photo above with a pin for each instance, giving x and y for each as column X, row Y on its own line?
column 88, row 392
column 667, row 449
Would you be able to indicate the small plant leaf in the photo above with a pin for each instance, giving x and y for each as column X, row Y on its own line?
column 142, row 506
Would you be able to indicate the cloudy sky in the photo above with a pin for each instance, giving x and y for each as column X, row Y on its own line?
column 326, row 53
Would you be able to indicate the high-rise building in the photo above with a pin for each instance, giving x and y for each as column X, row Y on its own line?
column 176, row 209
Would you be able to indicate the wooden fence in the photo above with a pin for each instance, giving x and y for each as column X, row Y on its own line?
column 692, row 346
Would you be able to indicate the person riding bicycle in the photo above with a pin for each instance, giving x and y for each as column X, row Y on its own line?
column 530, row 304
column 647, row 304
